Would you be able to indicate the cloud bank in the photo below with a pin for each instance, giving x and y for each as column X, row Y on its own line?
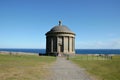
column 111, row 44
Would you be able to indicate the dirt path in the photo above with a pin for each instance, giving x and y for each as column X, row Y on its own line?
column 65, row 70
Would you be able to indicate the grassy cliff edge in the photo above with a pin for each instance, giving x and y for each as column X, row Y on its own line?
column 101, row 69
column 24, row 67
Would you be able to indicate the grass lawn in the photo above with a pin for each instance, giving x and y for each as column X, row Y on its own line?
column 100, row 68
column 24, row 67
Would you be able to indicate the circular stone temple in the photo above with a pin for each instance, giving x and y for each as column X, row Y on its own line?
column 60, row 40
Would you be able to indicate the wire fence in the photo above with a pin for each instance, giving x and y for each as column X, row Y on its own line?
column 90, row 57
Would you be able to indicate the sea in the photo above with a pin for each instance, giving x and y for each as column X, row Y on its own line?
column 77, row 51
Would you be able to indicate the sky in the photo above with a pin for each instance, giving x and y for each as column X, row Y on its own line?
column 96, row 23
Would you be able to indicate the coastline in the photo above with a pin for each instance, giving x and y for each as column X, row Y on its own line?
column 30, row 53
column 16, row 53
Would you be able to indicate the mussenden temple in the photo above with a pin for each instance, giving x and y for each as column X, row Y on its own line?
column 60, row 40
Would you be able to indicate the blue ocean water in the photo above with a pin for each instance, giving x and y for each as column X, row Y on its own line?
column 98, row 51
column 78, row 51
column 25, row 50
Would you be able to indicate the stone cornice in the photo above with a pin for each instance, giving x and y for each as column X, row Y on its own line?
column 59, row 33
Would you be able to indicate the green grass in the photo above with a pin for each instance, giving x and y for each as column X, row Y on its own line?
column 25, row 67
column 101, row 69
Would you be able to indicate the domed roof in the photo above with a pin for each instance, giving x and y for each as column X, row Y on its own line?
column 60, row 28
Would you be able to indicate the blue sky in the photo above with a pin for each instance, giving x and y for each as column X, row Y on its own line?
column 23, row 23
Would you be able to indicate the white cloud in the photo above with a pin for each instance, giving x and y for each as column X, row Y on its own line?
column 111, row 44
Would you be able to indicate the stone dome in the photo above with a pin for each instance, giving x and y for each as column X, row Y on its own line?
column 60, row 29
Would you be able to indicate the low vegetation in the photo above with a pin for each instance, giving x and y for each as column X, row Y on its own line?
column 24, row 67
column 102, row 69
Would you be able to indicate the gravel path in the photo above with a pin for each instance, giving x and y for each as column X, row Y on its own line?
column 65, row 70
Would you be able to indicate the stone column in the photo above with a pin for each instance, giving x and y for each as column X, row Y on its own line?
column 63, row 44
column 57, row 44
column 51, row 44
column 68, row 43
column 73, row 44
